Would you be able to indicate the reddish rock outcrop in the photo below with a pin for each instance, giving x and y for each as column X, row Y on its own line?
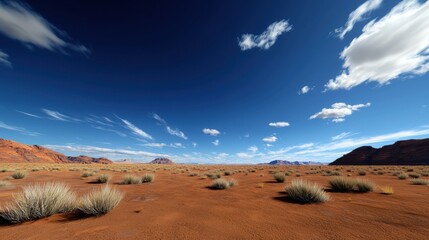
column 408, row 152
column 161, row 161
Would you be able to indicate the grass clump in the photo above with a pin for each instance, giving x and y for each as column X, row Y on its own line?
column 414, row 175
column 279, row 177
column 306, row 192
column 387, row 190
column 342, row 184
column 19, row 175
column 148, row 178
column 364, row 185
column 402, row 176
column 221, row 183
column 4, row 184
column 39, row 201
column 103, row 178
column 101, row 201
column 86, row 174
column 362, row 173
column 131, row 179
column 419, row 181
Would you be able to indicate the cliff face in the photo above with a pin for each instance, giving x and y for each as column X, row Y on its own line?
column 409, row 152
column 14, row 152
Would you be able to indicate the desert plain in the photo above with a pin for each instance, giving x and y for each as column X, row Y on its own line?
column 179, row 203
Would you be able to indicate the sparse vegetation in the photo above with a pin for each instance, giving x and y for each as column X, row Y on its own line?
column 222, row 183
column 131, row 179
column 100, row 201
column 148, row 178
column 362, row 173
column 342, row 184
column 4, row 184
column 86, row 174
column 19, row 175
column 364, row 185
column 39, row 201
column 279, row 177
column 402, row 176
column 414, row 175
column 103, row 178
column 419, row 181
column 306, row 192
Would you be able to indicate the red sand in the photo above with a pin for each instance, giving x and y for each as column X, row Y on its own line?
column 177, row 206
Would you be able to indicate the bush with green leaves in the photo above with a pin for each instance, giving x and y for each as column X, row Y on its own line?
column 39, row 201
column 100, row 201
column 306, row 192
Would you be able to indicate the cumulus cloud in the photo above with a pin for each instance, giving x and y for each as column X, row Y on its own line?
column 4, row 59
column 279, row 124
column 305, row 90
column 357, row 16
column 267, row 38
column 21, row 130
column 59, row 116
column 211, row 132
column 393, row 46
column 216, row 142
column 134, row 129
column 253, row 149
column 338, row 111
column 270, row 139
column 20, row 22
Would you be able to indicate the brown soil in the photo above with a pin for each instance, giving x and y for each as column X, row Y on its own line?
column 177, row 206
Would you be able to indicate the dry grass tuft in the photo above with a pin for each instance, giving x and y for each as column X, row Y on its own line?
column 131, row 179
column 279, row 177
column 222, row 183
column 101, row 201
column 419, row 181
column 19, row 175
column 387, row 190
column 363, row 185
column 103, row 178
column 306, row 192
column 39, row 201
column 148, row 178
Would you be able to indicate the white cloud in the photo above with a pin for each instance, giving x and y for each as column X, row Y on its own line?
column 21, row 130
column 305, row 90
column 338, row 111
column 244, row 155
column 357, row 16
column 216, row 142
column 104, row 152
column 211, row 132
column 342, row 136
column 110, row 130
column 267, row 38
column 29, row 114
column 247, row 135
column 4, row 59
column 388, row 48
column 279, row 124
column 20, row 22
column 270, row 139
column 177, row 145
column 176, row 132
column 59, row 116
column 253, row 149
column 194, row 144
column 155, row 145
column 135, row 129
column 159, row 119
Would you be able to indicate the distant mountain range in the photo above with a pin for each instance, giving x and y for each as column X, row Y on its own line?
column 295, row 163
column 14, row 152
column 408, row 152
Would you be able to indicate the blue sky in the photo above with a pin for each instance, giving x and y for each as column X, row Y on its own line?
column 214, row 82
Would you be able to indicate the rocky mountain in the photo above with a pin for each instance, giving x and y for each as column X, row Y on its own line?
column 14, row 152
column 408, row 152
column 161, row 161
column 295, row 163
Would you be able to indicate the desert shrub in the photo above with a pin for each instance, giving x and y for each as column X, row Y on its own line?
column 306, row 192
column 362, row 173
column 419, row 181
column 213, row 175
column 19, row 175
column 131, row 179
column 221, row 183
column 103, row 178
column 279, row 177
column 87, row 174
column 387, row 190
column 335, row 173
column 424, row 174
column 193, row 174
column 414, row 175
column 364, row 185
column 4, row 184
column 342, row 184
column 402, row 176
column 228, row 173
column 100, row 201
column 148, row 178
column 39, row 201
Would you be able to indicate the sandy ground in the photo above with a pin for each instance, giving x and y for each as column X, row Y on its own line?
column 178, row 206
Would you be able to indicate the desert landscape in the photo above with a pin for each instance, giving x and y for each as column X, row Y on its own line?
column 179, row 203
